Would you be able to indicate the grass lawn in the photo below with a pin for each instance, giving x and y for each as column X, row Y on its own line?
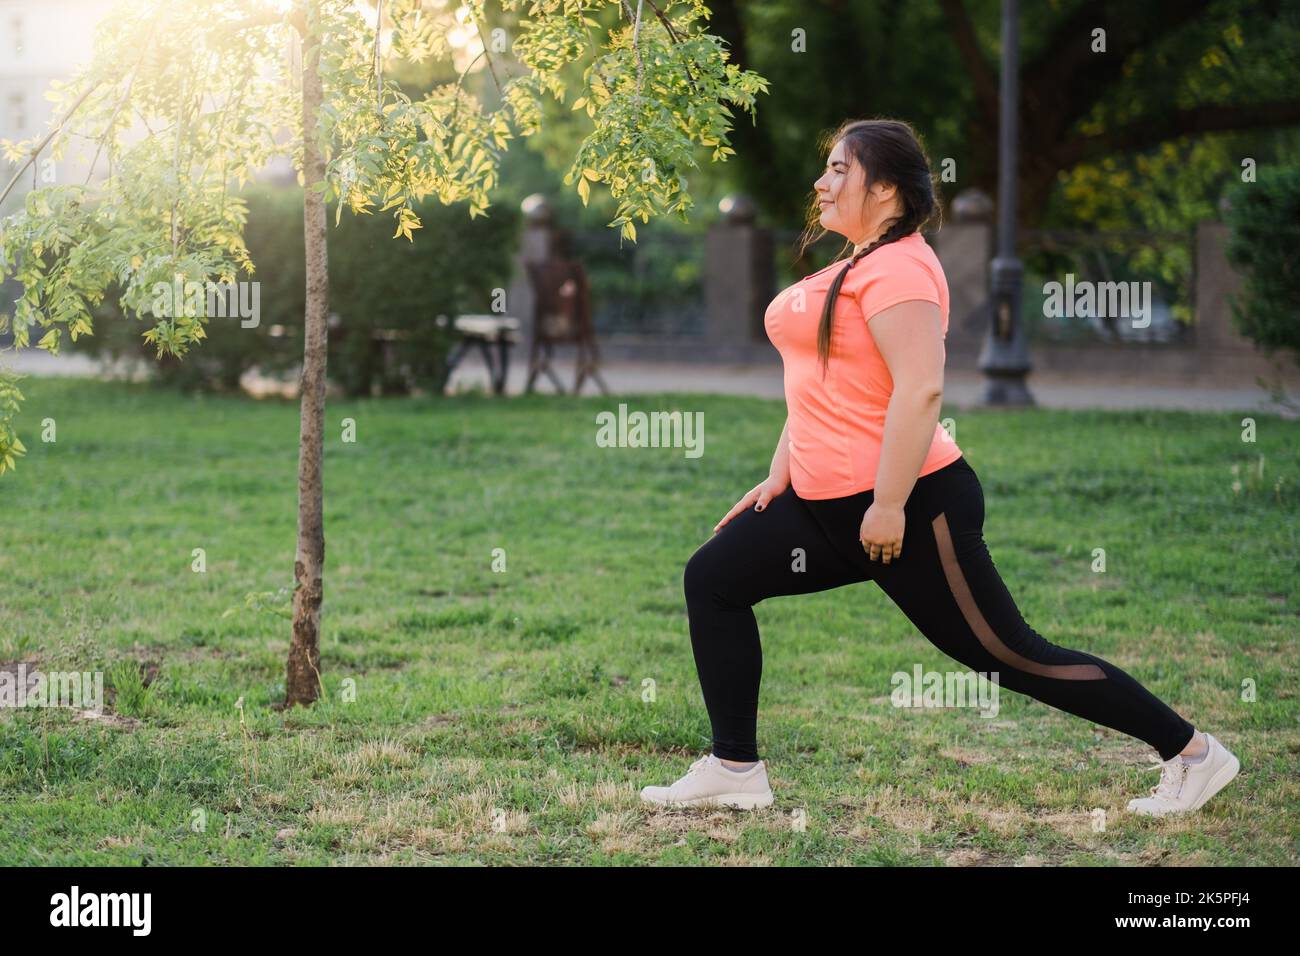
column 481, row 716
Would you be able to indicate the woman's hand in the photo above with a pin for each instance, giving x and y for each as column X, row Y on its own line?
column 759, row 496
column 882, row 532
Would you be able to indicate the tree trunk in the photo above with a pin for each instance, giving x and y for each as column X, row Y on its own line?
column 302, row 673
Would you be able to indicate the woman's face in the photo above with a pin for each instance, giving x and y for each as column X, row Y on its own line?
column 847, row 206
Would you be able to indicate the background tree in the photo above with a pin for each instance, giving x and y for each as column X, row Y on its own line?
column 186, row 98
column 1172, row 72
column 1265, row 246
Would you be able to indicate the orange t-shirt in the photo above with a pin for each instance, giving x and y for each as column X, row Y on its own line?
column 836, row 425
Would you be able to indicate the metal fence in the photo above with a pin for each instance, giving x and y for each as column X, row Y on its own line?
column 1114, row 287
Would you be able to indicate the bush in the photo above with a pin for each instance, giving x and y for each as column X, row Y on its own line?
column 376, row 283
column 1265, row 246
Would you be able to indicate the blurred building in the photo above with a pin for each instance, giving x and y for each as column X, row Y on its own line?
column 39, row 43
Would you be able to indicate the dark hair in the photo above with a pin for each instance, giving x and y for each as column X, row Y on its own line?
column 889, row 151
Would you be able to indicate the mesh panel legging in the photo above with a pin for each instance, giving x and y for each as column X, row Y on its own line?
column 945, row 582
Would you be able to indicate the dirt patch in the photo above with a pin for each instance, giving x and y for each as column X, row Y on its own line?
column 522, row 725
column 722, row 826
column 109, row 719
column 1125, row 752
column 967, row 758
column 968, row 858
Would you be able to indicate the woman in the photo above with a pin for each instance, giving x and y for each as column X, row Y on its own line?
column 865, row 485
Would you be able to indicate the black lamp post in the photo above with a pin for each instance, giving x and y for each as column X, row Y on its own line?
column 1004, row 359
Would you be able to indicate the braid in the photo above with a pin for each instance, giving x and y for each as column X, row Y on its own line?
column 903, row 226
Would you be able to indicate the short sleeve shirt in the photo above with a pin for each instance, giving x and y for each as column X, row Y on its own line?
column 837, row 425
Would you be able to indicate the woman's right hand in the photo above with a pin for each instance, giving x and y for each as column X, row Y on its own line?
column 758, row 496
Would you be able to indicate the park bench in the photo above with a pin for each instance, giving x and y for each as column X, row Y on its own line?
column 490, row 333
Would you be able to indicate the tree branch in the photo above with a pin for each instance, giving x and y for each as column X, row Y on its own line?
column 48, row 137
column 1066, row 79
column 1209, row 118
column 108, row 130
column 491, row 68
column 981, row 74
column 676, row 38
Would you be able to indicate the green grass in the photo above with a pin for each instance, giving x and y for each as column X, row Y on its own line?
column 474, row 716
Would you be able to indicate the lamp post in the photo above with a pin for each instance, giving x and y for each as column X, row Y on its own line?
column 1004, row 359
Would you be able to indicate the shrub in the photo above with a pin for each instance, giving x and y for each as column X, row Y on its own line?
column 1265, row 246
column 376, row 283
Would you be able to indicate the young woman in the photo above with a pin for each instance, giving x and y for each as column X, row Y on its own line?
column 865, row 485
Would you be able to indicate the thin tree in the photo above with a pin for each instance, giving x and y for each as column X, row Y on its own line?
column 186, row 99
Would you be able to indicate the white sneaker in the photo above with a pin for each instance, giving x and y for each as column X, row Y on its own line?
column 709, row 783
column 1183, row 786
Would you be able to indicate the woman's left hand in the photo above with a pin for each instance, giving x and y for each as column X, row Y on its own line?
column 882, row 532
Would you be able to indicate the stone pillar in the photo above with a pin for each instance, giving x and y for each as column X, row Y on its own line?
column 739, row 278
column 1216, row 280
column 965, row 247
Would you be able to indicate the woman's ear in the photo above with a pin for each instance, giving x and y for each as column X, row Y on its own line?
column 884, row 192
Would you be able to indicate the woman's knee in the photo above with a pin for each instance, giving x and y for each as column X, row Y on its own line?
column 700, row 575
column 708, row 575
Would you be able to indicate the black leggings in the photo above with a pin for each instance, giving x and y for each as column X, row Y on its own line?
column 945, row 582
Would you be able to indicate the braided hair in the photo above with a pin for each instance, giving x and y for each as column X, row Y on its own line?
column 888, row 151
